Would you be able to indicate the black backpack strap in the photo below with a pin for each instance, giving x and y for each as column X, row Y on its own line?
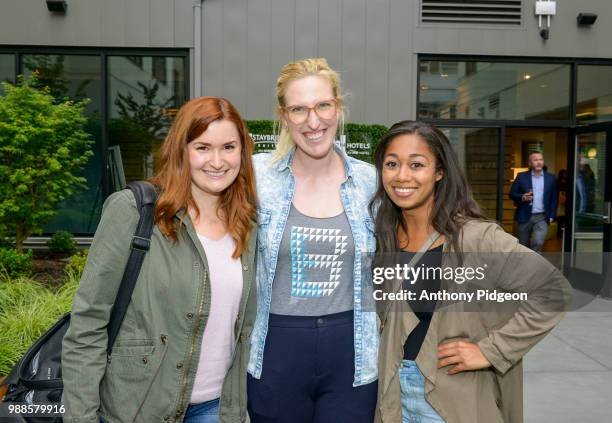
column 146, row 195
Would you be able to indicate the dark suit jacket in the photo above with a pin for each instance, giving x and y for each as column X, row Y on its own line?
column 522, row 184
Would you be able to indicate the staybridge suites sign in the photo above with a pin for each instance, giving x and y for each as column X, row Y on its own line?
column 266, row 142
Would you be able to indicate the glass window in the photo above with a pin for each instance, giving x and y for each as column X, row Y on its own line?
column 76, row 77
column 589, row 201
column 477, row 150
column 145, row 93
column 7, row 68
column 594, row 94
column 493, row 90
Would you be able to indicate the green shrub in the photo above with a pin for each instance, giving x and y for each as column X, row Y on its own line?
column 76, row 264
column 260, row 126
column 27, row 310
column 13, row 263
column 62, row 242
column 43, row 147
column 5, row 242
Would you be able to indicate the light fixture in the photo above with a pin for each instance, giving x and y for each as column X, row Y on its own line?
column 585, row 115
column 57, row 6
column 424, row 87
column 586, row 19
column 545, row 9
column 527, row 76
column 592, row 153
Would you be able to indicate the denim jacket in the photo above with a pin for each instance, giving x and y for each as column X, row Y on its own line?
column 275, row 188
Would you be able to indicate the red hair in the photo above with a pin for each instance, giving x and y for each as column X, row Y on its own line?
column 173, row 177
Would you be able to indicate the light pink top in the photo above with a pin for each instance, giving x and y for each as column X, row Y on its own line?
column 218, row 340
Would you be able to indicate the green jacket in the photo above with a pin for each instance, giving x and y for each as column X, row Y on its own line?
column 150, row 373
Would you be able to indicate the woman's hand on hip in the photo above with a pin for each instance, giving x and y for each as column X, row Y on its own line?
column 465, row 355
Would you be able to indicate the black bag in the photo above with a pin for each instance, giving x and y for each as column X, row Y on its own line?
column 37, row 377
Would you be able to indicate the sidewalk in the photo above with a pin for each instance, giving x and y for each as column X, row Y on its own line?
column 568, row 376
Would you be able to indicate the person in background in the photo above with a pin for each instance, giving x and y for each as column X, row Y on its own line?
column 182, row 349
column 535, row 195
column 313, row 355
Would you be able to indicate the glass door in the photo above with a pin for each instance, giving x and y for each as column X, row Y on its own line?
column 589, row 244
column 478, row 151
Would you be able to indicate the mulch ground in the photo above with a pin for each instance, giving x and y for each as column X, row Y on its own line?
column 49, row 270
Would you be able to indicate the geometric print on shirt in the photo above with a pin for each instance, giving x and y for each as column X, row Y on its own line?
column 302, row 262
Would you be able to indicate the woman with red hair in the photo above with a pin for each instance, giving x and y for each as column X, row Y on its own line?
column 182, row 350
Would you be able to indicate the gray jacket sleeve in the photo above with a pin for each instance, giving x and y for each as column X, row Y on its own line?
column 84, row 346
column 549, row 295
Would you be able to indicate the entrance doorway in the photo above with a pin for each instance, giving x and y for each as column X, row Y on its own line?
column 553, row 143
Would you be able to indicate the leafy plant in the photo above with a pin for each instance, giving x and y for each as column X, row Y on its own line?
column 42, row 148
column 61, row 242
column 260, row 126
column 76, row 265
column 14, row 263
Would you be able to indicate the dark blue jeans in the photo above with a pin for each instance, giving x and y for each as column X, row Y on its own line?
column 307, row 374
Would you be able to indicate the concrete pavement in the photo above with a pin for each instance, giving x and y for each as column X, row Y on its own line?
column 568, row 375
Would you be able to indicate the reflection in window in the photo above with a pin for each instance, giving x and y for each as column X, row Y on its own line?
column 144, row 96
column 589, row 191
column 75, row 77
column 493, row 90
column 7, row 69
column 590, row 177
column 477, row 151
column 594, row 94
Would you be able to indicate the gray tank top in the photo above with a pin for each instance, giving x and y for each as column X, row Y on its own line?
column 314, row 271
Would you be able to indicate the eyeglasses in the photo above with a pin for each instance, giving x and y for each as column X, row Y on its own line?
column 325, row 110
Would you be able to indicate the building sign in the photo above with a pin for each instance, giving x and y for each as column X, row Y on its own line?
column 360, row 149
column 265, row 143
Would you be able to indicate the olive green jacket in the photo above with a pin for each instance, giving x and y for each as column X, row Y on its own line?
column 150, row 373
column 492, row 395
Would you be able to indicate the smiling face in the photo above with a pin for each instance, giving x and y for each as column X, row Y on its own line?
column 312, row 95
column 409, row 173
column 214, row 159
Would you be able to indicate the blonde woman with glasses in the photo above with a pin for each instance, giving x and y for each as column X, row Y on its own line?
column 314, row 349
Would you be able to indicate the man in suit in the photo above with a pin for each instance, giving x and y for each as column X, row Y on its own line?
column 535, row 194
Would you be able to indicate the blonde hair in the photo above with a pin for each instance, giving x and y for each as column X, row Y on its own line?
column 289, row 73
